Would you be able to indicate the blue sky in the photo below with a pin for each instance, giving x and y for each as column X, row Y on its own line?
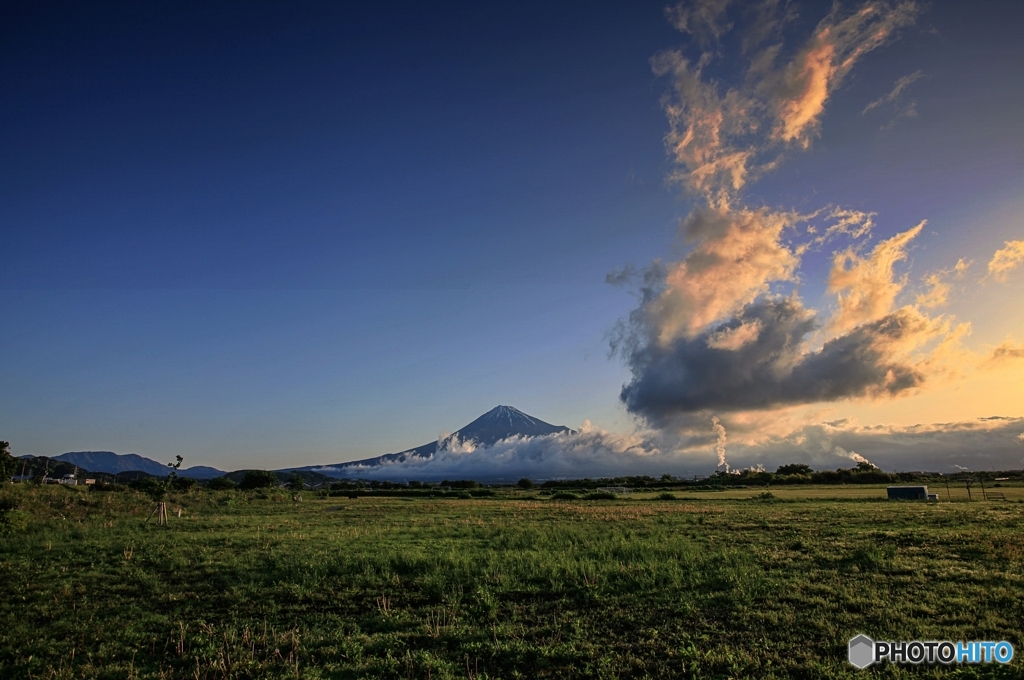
column 262, row 235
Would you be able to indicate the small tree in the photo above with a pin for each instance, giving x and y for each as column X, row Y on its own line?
column 525, row 483
column 158, row 491
column 7, row 463
column 296, row 482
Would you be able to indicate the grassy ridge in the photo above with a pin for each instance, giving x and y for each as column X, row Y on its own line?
column 260, row 586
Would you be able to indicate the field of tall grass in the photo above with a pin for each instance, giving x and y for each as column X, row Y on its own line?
column 253, row 585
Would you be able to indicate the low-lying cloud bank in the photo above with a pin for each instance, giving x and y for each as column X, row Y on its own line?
column 978, row 444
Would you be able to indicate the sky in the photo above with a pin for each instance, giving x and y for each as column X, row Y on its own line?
column 706, row 234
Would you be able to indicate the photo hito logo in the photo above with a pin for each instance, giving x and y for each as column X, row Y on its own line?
column 863, row 651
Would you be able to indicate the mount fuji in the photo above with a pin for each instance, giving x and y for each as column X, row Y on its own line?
column 501, row 422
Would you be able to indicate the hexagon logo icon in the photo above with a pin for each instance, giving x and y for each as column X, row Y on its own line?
column 862, row 651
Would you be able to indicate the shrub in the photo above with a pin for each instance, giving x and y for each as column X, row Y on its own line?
column 258, row 479
column 221, row 484
column 564, row 496
column 667, row 496
column 525, row 483
column 601, row 496
column 11, row 518
column 183, row 483
column 460, row 484
column 764, row 496
column 150, row 485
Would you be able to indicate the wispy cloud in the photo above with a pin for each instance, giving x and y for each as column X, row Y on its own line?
column 718, row 136
column 901, row 85
column 704, row 19
column 1006, row 259
column 798, row 92
column 939, row 286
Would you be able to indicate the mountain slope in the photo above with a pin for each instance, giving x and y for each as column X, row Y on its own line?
column 201, row 472
column 113, row 463
column 499, row 423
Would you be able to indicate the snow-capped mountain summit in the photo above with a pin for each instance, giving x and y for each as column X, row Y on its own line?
column 501, row 422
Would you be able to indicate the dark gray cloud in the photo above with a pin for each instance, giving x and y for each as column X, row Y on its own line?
column 758, row 360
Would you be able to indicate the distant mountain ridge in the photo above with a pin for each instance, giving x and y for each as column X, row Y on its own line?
column 501, row 422
column 113, row 463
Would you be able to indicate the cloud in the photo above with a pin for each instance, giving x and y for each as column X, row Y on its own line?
column 854, row 224
column 939, row 287
column 1005, row 260
column 705, row 127
column 717, row 135
column 704, row 19
column 591, row 452
column 798, row 92
column 775, row 367
column 735, row 338
column 901, row 84
column 981, row 444
column 1007, row 351
column 936, row 295
column 715, row 331
column 737, row 254
column 865, row 287
column 588, row 452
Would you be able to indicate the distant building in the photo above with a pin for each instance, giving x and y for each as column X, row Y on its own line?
column 908, row 493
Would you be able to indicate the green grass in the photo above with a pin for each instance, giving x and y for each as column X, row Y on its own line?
column 520, row 586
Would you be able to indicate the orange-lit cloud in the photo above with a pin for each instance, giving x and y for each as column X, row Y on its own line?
column 939, row 287
column 866, row 288
column 1007, row 350
column 799, row 91
column 737, row 253
column 1006, row 259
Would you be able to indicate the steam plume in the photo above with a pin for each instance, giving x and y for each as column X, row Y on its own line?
column 720, row 444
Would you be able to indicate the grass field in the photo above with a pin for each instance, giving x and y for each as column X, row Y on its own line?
column 712, row 584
